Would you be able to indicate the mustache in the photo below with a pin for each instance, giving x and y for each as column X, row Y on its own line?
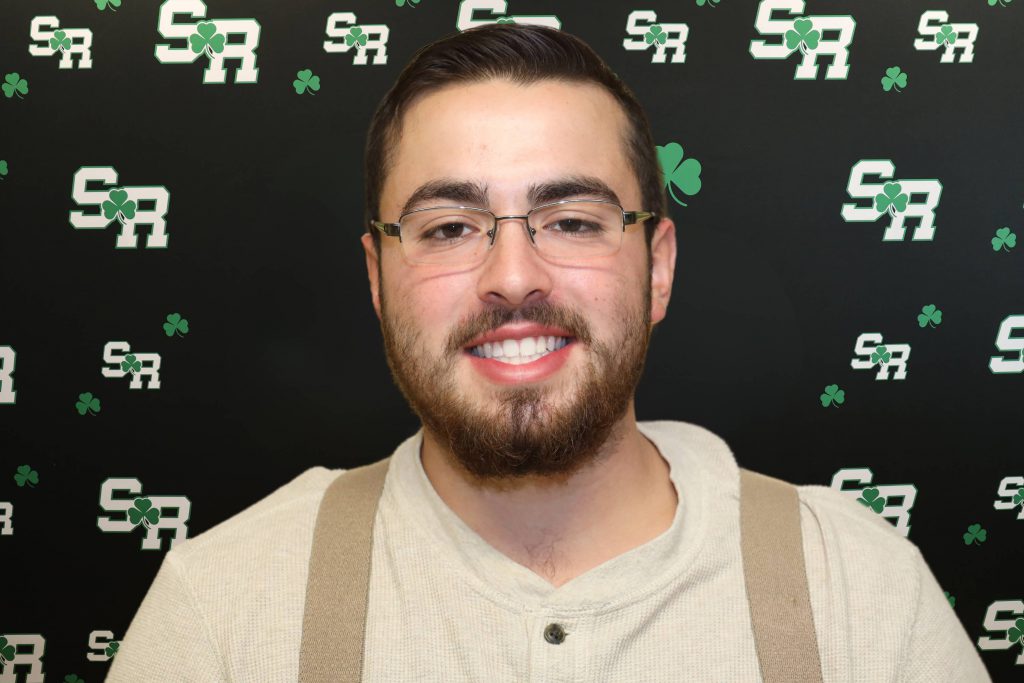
column 544, row 313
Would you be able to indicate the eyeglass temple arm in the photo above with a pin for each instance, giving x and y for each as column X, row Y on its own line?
column 631, row 217
column 389, row 229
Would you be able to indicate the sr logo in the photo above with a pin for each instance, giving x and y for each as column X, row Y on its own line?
column 940, row 34
column 138, row 365
column 7, row 360
column 211, row 38
column 641, row 23
column 363, row 38
column 69, row 42
column 1011, row 495
column 1005, row 626
column 148, row 512
column 888, row 494
column 120, row 204
column 813, row 36
column 1009, row 344
column 870, row 352
column 470, row 9
column 898, row 199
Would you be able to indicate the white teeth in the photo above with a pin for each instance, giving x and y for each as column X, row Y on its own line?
column 518, row 351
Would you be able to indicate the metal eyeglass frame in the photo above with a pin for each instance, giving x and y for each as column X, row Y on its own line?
column 628, row 218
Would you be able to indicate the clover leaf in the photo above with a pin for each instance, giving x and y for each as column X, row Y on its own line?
column 306, row 81
column 802, row 36
column 685, row 175
column 1004, row 240
column 102, row 4
column 656, row 34
column 118, row 205
column 894, row 78
column 946, row 34
column 1016, row 632
column 505, row 20
column 871, row 499
column 73, row 678
column 143, row 512
column 880, row 355
column 412, row 3
column 1018, row 497
column 891, row 197
column 355, row 35
column 206, row 38
column 975, row 534
column 833, row 396
column 1004, row 3
column 928, row 315
column 26, row 475
column 7, row 650
column 87, row 403
column 60, row 41
column 130, row 364
column 175, row 323
column 3, row 167
column 112, row 648
column 952, row 600
column 709, row 3
column 14, row 84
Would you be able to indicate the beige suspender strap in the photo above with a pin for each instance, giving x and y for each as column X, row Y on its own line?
column 776, row 579
column 338, row 584
column 337, row 589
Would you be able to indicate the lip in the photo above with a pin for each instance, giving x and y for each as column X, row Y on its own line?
column 517, row 332
column 504, row 373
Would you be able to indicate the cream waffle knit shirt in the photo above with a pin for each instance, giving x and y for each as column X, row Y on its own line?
column 227, row 605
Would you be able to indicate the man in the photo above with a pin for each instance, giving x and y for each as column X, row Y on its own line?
column 533, row 529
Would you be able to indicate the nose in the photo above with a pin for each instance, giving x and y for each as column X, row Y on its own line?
column 513, row 271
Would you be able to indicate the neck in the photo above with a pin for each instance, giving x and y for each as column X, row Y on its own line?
column 560, row 529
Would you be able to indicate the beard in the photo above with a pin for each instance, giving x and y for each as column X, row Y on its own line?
column 521, row 432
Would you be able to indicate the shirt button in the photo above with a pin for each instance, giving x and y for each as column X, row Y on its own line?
column 554, row 634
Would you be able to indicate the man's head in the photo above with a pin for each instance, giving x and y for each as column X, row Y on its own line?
column 500, row 110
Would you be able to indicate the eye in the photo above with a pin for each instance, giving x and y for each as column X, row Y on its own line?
column 448, row 231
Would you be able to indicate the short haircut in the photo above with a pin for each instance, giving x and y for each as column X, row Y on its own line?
column 524, row 54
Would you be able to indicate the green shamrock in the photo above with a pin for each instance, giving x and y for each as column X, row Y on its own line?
column 355, row 35
column 113, row 645
column 952, row 600
column 505, row 20
column 73, row 678
column 26, row 474
column 1016, row 632
column 833, row 395
column 3, row 168
column 131, row 364
column 975, row 534
column 709, row 3
column 412, row 3
column 102, row 4
column 685, row 175
column 656, row 34
column 305, row 80
column 175, row 323
column 1004, row 239
column 15, row 84
column 801, row 36
column 993, row 3
column 87, row 403
column 946, row 34
column 7, row 650
column 1018, row 497
column 118, row 205
column 928, row 315
column 143, row 512
column 894, row 78
column 207, row 38
column 891, row 198
column 871, row 499
column 880, row 355
column 60, row 41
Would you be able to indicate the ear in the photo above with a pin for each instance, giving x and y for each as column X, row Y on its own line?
column 371, row 270
column 663, row 268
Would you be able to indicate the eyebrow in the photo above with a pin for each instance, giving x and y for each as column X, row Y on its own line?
column 472, row 193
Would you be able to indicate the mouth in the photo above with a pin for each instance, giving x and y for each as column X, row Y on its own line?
column 524, row 351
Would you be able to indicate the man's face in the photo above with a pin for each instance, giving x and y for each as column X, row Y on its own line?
column 547, row 419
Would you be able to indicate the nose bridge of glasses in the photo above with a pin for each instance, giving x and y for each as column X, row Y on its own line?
column 524, row 222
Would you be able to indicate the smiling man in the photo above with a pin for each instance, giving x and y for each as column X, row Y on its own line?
column 519, row 255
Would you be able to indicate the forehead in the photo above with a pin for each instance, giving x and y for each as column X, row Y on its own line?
column 494, row 143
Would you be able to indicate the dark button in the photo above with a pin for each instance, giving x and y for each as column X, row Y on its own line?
column 554, row 634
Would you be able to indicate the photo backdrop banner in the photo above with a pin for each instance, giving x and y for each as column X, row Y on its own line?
column 185, row 315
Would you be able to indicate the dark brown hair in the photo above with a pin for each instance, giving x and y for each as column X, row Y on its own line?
column 522, row 53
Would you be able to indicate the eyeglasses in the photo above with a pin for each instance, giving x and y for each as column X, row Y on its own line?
column 563, row 232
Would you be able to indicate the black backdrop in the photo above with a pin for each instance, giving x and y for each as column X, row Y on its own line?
column 282, row 366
